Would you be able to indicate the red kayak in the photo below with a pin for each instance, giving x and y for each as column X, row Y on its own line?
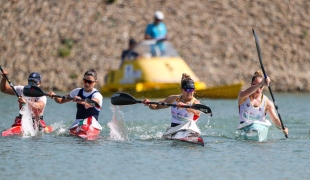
column 85, row 132
column 88, row 129
column 17, row 130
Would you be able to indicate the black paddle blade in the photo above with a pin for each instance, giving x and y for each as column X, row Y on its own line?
column 203, row 108
column 33, row 91
column 123, row 99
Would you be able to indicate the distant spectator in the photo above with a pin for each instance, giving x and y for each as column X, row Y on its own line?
column 158, row 31
column 129, row 54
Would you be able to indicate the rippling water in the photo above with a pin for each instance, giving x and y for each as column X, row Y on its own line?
column 130, row 146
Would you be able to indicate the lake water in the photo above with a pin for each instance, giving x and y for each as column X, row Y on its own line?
column 133, row 149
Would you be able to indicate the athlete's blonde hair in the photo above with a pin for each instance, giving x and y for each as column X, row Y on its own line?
column 257, row 74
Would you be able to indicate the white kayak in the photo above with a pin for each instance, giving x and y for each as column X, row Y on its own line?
column 254, row 130
column 186, row 132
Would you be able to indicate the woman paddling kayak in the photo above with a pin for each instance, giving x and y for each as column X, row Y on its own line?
column 86, row 124
column 253, row 106
column 37, row 104
column 182, row 119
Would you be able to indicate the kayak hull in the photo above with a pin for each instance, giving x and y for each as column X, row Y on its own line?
column 256, row 131
column 186, row 136
column 186, row 132
column 85, row 132
column 18, row 130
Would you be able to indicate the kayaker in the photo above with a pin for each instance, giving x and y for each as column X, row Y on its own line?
column 84, row 110
column 180, row 115
column 253, row 101
column 157, row 31
column 37, row 104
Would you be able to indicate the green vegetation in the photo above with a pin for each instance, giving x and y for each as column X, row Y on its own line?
column 304, row 34
column 66, row 48
column 73, row 75
column 110, row 1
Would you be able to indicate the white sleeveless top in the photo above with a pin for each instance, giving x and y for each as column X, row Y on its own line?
column 180, row 115
column 247, row 112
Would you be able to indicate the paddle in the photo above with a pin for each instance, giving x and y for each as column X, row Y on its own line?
column 265, row 75
column 34, row 91
column 126, row 99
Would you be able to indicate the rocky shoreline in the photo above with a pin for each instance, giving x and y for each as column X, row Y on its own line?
column 62, row 39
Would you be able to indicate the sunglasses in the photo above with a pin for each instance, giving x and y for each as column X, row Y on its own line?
column 32, row 83
column 189, row 90
column 88, row 81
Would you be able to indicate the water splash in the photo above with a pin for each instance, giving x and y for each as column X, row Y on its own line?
column 27, row 121
column 60, row 128
column 146, row 131
column 118, row 129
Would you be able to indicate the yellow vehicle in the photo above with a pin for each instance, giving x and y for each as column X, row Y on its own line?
column 156, row 73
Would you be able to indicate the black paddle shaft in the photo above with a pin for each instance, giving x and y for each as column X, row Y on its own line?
column 265, row 75
column 126, row 99
column 34, row 91
column 203, row 108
